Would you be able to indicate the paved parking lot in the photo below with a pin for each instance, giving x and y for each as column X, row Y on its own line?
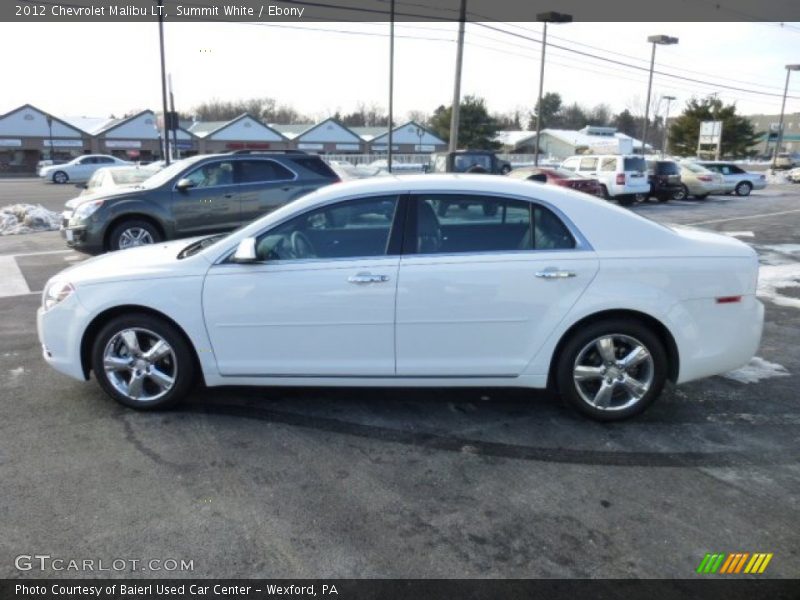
column 406, row 483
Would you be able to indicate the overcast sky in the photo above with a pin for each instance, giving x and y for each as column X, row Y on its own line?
column 103, row 68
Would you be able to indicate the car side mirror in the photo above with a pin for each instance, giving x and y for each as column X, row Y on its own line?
column 184, row 184
column 245, row 251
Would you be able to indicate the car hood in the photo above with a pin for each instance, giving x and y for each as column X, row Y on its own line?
column 145, row 262
column 104, row 195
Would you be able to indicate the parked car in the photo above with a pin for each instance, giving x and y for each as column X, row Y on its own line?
column 79, row 169
column 785, row 160
column 557, row 290
column 562, row 177
column 622, row 177
column 468, row 161
column 201, row 194
column 108, row 178
column 794, row 175
column 740, row 181
column 699, row 182
column 664, row 177
column 47, row 163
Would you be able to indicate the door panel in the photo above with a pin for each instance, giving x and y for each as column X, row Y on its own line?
column 211, row 205
column 302, row 317
column 472, row 315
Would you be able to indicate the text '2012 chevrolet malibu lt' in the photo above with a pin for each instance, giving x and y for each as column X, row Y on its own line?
column 433, row 280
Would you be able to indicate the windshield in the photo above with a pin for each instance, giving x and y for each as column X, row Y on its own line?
column 167, row 173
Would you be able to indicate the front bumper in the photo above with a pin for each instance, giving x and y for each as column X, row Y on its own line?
column 81, row 237
column 60, row 331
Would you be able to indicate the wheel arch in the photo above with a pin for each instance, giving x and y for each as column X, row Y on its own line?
column 91, row 331
column 131, row 216
column 661, row 330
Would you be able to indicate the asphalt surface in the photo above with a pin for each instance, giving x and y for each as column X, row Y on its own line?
column 402, row 483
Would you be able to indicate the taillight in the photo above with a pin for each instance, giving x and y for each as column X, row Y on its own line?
column 705, row 178
column 728, row 299
column 620, row 178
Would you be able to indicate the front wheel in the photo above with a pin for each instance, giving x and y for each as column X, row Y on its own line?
column 682, row 193
column 626, row 200
column 60, row 177
column 743, row 188
column 611, row 370
column 130, row 234
column 142, row 362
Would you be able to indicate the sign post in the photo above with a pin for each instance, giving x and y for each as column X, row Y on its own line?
column 710, row 135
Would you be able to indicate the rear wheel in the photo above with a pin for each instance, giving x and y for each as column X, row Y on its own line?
column 143, row 362
column 60, row 177
column 626, row 200
column 743, row 188
column 132, row 233
column 611, row 370
column 681, row 193
column 604, row 192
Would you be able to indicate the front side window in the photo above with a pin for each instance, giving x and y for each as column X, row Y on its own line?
column 212, row 174
column 352, row 229
column 570, row 163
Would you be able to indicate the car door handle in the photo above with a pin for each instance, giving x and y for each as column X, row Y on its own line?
column 362, row 278
column 554, row 274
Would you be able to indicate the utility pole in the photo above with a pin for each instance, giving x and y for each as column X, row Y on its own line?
column 163, row 79
column 779, row 141
column 456, row 108
column 175, row 121
column 669, row 100
column 391, row 86
column 663, row 40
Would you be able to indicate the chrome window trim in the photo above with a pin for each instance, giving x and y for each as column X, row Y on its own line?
column 232, row 160
column 581, row 243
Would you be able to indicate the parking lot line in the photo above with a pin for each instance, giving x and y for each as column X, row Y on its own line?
column 758, row 216
column 12, row 283
column 42, row 253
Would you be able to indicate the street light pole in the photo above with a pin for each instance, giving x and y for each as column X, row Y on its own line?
column 664, row 40
column 669, row 100
column 779, row 141
column 391, row 87
column 456, row 108
column 548, row 17
column 50, row 127
column 163, row 78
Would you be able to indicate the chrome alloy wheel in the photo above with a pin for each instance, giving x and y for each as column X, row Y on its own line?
column 140, row 364
column 134, row 236
column 613, row 372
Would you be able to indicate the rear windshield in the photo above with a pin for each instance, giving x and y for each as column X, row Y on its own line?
column 315, row 165
column 634, row 163
column 667, row 168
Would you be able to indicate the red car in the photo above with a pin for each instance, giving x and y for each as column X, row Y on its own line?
column 561, row 177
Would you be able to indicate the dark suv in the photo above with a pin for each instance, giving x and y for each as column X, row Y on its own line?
column 469, row 161
column 195, row 196
column 664, row 177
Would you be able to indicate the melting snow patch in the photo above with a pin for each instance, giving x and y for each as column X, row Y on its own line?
column 25, row 218
column 773, row 278
column 16, row 373
column 756, row 370
column 738, row 233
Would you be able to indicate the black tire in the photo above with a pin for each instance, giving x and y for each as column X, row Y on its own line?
column 627, row 200
column 576, row 345
column 743, row 188
column 60, row 177
column 133, row 227
column 604, row 190
column 663, row 198
column 180, row 364
column 682, row 193
column 505, row 170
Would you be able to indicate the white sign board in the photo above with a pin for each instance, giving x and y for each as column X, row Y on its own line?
column 310, row 146
column 355, row 147
column 123, row 144
column 710, row 132
column 10, row 143
column 63, row 143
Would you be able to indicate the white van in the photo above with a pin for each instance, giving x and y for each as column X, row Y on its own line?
column 622, row 176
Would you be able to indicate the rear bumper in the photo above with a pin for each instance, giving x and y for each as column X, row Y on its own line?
column 716, row 338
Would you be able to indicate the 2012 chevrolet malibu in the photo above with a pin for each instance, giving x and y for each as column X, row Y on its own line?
column 369, row 283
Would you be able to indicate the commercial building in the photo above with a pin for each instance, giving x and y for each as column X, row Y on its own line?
column 768, row 126
column 245, row 132
column 561, row 143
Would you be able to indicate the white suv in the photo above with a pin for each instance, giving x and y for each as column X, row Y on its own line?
column 622, row 177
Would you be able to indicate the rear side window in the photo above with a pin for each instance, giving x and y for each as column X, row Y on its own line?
column 634, row 163
column 315, row 165
column 588, row 164
column 608, row 164
column 667, row 168
column 259, row 171
column 549, row 232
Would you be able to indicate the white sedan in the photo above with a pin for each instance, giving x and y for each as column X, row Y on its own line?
column 81, row 168
column 367, row 283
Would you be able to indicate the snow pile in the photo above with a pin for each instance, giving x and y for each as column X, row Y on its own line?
column 26, row 218
column 776, row 177
column 756, row 370
column 772, row 279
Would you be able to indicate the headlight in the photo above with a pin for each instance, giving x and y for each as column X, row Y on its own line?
column 55, row 292
column 87, row 209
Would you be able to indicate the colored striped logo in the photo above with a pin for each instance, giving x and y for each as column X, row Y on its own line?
column 734, row 563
